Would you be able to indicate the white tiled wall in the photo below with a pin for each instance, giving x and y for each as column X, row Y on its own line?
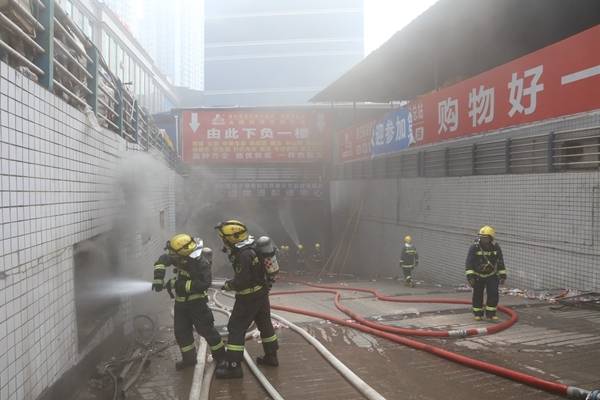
column 60, row 183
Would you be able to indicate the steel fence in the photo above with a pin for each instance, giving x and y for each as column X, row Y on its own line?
column 42, row 42
column 567, row 150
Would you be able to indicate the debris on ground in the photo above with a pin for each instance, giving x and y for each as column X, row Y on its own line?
column 545, row 295
column 463, row 288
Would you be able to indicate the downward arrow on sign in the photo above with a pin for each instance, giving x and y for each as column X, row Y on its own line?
column 194, row 122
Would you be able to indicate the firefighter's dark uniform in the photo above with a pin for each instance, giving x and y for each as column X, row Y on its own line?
column 484, row 269
column 317, row 258
column 409, row 258
column 283, row 256
column 191, row 308
column 300, row 260
column 251, row 302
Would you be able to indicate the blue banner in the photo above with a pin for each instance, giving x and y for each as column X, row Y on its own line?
column 393, row 133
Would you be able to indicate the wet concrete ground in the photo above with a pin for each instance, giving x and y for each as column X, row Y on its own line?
column 561, row 345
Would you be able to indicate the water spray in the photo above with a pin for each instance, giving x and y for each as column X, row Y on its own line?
column 121, row 287
column 285, row 217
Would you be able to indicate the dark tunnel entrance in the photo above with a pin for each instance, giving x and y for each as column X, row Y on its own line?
column 289, row 204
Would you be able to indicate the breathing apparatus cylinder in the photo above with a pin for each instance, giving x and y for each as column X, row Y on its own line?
column 266, row 252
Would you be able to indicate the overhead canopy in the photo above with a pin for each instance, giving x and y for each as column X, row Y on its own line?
column 455, row 40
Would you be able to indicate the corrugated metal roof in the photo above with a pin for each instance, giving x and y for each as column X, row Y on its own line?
column 457, row 39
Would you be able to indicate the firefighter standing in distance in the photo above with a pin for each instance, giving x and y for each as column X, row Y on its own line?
column 317, row 257
column 283, row 256
column 409, row 259
column 485, row 270
column 254, row 266
column 192, row 264
column 300, row 260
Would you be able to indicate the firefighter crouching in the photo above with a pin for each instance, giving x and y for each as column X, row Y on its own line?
column 254, row 266
column 409, row 259
column 485, row 270
column 192, row 264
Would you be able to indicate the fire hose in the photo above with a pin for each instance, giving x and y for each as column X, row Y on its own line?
column 367, row 391
column 221, row 308
column 391, row 333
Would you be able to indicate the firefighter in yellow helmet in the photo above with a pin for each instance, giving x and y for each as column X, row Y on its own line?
column 409, row 259
column 485, row 270
column 251, row 282
column 300, row 259
column 193, row 263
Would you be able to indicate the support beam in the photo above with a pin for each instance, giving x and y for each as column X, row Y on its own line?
column 93, row 82
column 45, row 38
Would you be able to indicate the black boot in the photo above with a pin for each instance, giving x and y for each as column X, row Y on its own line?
column 268, row 359
column 229, row 370
column 188, row 360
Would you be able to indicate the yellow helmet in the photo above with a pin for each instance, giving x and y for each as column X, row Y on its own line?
column 487, row 231
column 408, row 239
column 232, row 231
column 181, row 244
column 317, row 245
column 300, row 247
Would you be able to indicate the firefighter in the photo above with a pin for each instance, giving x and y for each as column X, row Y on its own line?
column 485, row 270
column 317, row 257
column 300, row 260
column 251, row 283
column 284, row 255
column 192, row 264
column 409, row 259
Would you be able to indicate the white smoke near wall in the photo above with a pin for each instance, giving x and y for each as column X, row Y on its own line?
column 142, row 181
column 118, row 263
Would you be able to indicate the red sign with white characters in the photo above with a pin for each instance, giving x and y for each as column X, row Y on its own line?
column 558, row 80
column 254, row 136
column 355, row 142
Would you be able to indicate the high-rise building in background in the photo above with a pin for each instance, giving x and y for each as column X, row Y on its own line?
column 124, row 9
column 172, row 33
column 277, row 52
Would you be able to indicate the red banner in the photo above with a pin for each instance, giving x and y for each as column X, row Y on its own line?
column 560, row 79
column 254, row 136
column 355, row 142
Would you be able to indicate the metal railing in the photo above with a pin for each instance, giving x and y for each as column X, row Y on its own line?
column 569, row 150
column 44, row 44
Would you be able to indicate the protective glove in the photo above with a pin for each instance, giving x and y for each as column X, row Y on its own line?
column 227, row 286
column 157, row 287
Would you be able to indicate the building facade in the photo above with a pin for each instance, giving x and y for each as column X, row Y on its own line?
column 124, row 55
column 172, row 33
column 274, row 52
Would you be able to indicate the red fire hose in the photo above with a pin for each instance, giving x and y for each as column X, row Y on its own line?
column 419, row 332
column 391, row 333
